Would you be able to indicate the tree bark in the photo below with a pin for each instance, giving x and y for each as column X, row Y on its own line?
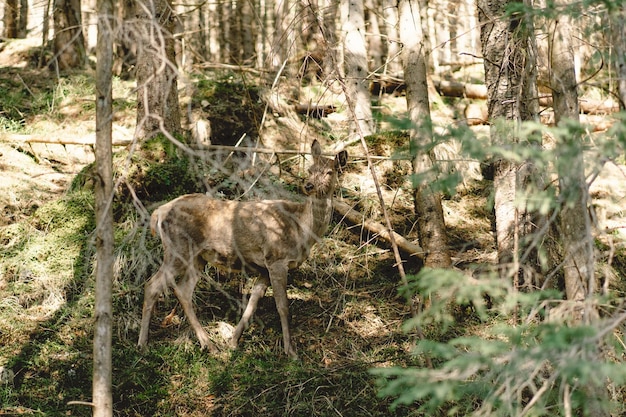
column 578, row 263
column 103, row 311
column 11, row 13
column 428, row 209
column 157, row 92
column 393, row 66
column 283, row 42
column 618, row 30
column 356, row 69
column 69, row 43
column 375, row 45
column 510, row 75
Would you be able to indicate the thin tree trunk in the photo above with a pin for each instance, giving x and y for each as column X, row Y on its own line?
column 283, row 42
column 235, row 39
column 333, row 59
column 578, row 262
column 356, row 69
column 103, row 312
column 10, row 18
column 393, row 64
column 248, row 31
column 576, row 236
column 618, row 30
column 430, row 221
column 22, row 21
column 375, row 44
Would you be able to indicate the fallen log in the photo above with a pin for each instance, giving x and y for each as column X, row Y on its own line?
column 457, row 89
column 315, row 110
column 378, row 229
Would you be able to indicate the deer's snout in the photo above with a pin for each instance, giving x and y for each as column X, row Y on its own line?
column 308, row 187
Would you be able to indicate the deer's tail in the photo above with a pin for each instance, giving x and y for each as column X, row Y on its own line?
column 156, row 221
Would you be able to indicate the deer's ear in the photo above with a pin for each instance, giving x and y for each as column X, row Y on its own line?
column 341, row 159
column 316, row 149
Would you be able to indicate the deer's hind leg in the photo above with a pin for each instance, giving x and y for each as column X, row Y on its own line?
column 258, row 291
column 154, row 287
column 184, row 292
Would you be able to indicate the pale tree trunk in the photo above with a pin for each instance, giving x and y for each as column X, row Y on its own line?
column 333, row 58
column 212, row 20
column 263, row 22
column 578, row 263
column 248, row 31
column 510, row 75
column 356, row 69
column 103, row 311
column 157, row 93
column 375, row 44
column 430, row 221
column 393, row 64
column 223, row 18
column 578, row 256
column 69, row 43
column 284, row 37
column 618, row 31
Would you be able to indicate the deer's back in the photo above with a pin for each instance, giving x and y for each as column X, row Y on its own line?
column 233, row 234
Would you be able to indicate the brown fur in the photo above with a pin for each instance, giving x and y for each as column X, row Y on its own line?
column 269, row 237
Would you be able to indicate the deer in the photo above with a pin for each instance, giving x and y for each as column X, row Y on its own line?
column 268, row 237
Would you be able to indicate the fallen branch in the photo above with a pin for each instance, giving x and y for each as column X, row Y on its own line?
column 355, row 217
column 91, row 141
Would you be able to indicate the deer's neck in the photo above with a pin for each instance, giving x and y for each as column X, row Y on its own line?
column 317, row 215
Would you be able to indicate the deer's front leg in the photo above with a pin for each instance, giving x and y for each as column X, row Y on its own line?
column 278, row 279
column 258, row 291
column 184, row 292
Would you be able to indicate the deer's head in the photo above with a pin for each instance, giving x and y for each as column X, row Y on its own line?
column 323, row 173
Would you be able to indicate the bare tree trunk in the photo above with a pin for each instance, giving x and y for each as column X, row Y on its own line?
column 125, row 51
column 11, row 12
column 157, row 92
column 15, row 18
column 214, row 52
column 578, row 265
column 248, row 31
column 618, row 30
column 510, row 75
column 283, row 42
column 333, row 59
column 430, row 221
column 393, row 63
column 235, row 40
column 69, row 43
column 103, row 312
column 223, row 19
column 375, row 44
column 22, row 21
column 355, row 64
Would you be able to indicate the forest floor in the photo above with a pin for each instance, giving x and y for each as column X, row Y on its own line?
column 347, row 313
